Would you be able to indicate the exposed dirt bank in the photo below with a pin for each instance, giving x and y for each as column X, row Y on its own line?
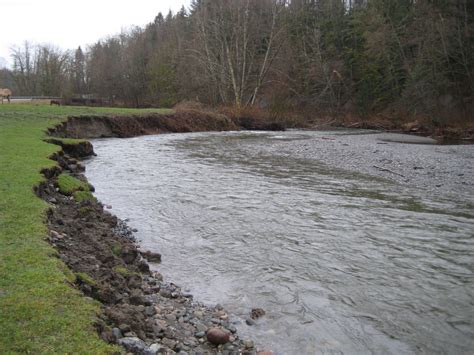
column 131, row 126
column 423, row 126
column 82, row 149
column 140, row 312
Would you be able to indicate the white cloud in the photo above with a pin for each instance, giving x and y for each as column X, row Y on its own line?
column 69, row 24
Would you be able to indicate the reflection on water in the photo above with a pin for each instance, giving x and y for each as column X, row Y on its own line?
column 340, row 261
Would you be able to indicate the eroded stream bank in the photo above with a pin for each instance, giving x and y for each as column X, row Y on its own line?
column 140, row 312
column 313, row 227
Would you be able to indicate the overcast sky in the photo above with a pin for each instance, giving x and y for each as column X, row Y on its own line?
column 69, row 24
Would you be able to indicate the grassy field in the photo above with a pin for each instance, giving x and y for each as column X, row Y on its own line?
column 39, row 311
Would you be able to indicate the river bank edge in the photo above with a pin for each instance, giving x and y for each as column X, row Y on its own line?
column 94, row 215
column 141, row 313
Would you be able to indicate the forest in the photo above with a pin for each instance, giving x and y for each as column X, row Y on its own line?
column 363, row 57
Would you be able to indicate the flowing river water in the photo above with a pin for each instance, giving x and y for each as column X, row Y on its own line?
column 351, row 242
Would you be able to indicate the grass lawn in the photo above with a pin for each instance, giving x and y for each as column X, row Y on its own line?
column 39, row 311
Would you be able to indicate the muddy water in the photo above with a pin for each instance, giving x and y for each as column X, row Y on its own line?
column 351, row 243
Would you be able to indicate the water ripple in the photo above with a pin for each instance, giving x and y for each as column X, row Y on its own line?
column 342, row 261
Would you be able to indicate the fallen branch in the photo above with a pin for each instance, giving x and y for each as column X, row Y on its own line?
column 388, row 171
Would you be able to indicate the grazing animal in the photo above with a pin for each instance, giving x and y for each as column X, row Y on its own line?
column 55, row 102
column 5, row 93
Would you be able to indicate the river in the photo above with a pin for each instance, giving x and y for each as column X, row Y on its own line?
column 350, row 241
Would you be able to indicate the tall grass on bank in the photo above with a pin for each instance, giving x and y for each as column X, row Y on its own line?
column 39, row 311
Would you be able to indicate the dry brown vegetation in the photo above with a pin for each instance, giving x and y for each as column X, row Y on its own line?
column 300, row 63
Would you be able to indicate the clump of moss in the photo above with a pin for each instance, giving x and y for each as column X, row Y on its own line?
column 86, row 210
column 84, row 278
column 81, row 196
column 116, row 249
column 71, row 140
column 69, row 184
column 124, row 271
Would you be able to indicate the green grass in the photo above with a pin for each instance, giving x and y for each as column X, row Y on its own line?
column 70, row 141
column 124, row 271
column 85, row 278
column 116, row 249
column 81, row 196
column 39, row 310
column 69, row 184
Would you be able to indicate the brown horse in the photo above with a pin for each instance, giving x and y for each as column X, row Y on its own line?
column 5, row 93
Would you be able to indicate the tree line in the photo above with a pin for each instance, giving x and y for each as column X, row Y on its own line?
column 359, row 56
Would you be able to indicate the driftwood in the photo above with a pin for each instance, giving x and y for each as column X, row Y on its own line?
column 388, row 171
column 5, row 93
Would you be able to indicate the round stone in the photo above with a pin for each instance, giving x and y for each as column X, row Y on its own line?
column 217, row 336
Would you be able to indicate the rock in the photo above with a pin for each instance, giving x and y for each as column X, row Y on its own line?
column 134, row 281
column 249, row 344
column 55, row 235
column 250, row 321
column 152, row 257
column 150, row 311
column 200, row 334
column 257, row 313
column 117, row 334
column 134, row 345
column 124, row 328
column 129, row 254
column 165, row 293
column 232, row 329
column 217, row 336
column 169, row 343
column 143, row 266
column 170, row 317
column 158, row 276
column 201, row 327
column 229, row 347
column 137, row 298
column 152, row 349
column 224, row 316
